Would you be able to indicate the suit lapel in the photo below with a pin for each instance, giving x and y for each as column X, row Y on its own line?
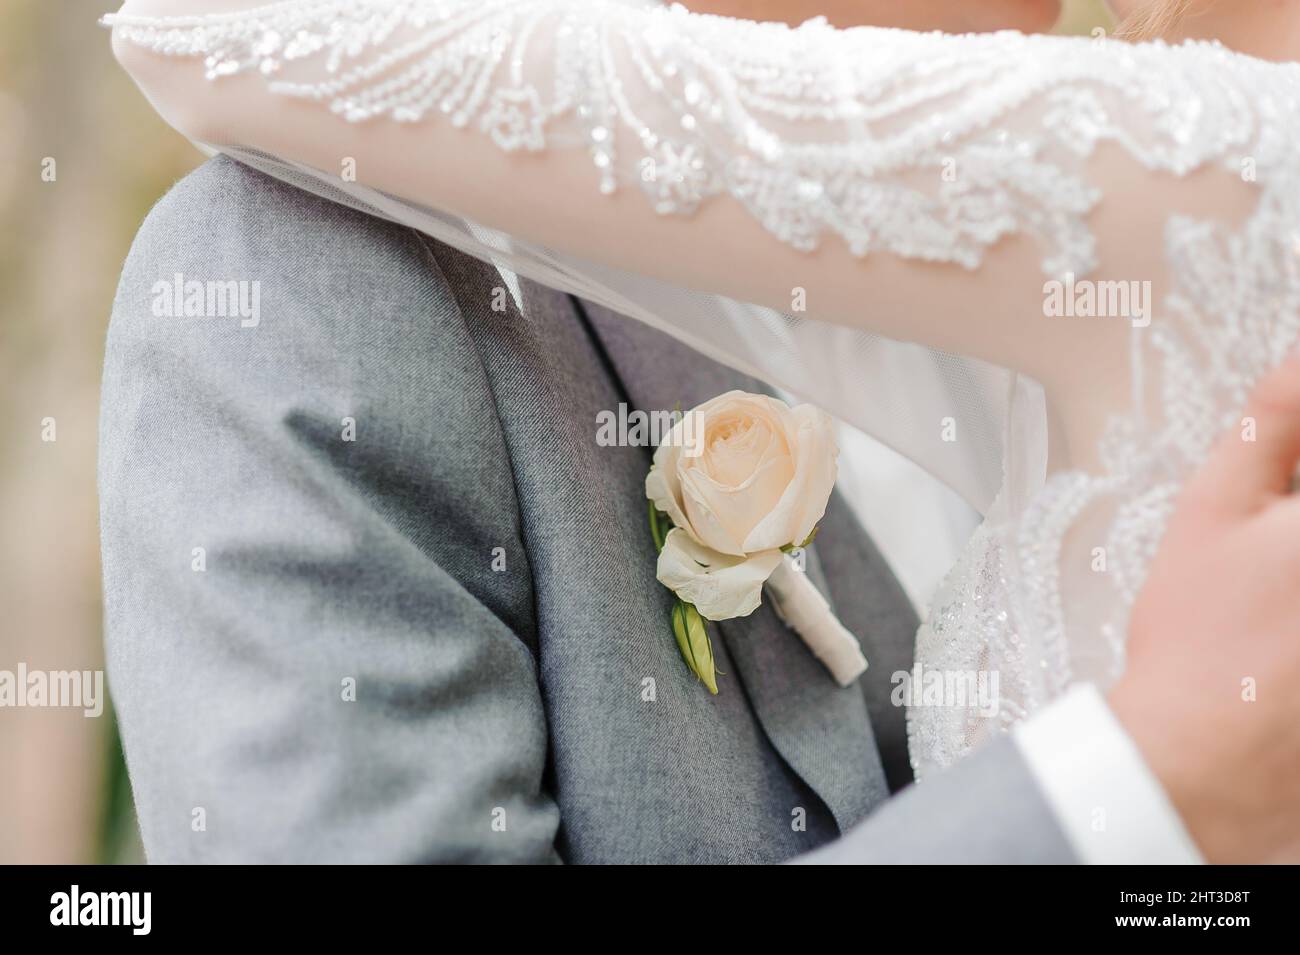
column 678, row 775
column 871, row 602
column 823, row 731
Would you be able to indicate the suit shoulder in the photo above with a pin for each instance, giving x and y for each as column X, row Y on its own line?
column 229, row 249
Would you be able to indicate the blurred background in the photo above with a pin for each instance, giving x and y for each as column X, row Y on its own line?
column 82, row 158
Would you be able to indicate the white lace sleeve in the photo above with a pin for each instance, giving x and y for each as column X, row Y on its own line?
column 929, row 147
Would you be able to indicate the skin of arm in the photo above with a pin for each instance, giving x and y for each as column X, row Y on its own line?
column 552, row 198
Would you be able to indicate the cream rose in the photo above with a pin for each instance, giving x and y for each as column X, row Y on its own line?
column 740, row 476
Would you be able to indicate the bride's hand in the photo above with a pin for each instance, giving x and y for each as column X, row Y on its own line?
column 1214, row 642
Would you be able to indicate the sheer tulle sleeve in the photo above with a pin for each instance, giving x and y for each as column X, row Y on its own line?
column 878, row 178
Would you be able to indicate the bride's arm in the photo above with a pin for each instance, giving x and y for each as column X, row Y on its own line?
column 951, row 16
column 920, row 185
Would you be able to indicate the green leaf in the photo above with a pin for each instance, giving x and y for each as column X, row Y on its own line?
column 786, row 548
column 693, row 642
column 655, row 531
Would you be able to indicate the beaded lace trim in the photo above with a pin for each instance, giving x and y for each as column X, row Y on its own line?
column 890, row 139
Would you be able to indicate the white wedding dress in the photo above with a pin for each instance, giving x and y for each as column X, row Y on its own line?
column 947, row 157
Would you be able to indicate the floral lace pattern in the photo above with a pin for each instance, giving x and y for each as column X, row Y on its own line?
column 1016, row 603
column 852, row 133
column 816, row 130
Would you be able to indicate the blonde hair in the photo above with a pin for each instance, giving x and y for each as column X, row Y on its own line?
column 1154, row 19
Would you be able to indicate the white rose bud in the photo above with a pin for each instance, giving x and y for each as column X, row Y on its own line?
column 741, row 476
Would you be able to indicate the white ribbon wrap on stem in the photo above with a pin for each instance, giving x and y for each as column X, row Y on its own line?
column 801, row 605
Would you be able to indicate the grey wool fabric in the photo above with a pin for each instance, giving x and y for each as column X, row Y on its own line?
column 376, row 594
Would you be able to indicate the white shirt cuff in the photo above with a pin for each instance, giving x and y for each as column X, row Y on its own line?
column 1111, row 807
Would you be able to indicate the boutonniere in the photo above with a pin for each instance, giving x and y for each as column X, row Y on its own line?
column 739, row 483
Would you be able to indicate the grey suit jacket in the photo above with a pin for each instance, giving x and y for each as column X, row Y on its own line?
column 375, row 593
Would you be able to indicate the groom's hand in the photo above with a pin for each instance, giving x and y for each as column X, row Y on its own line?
column 1212, row 690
